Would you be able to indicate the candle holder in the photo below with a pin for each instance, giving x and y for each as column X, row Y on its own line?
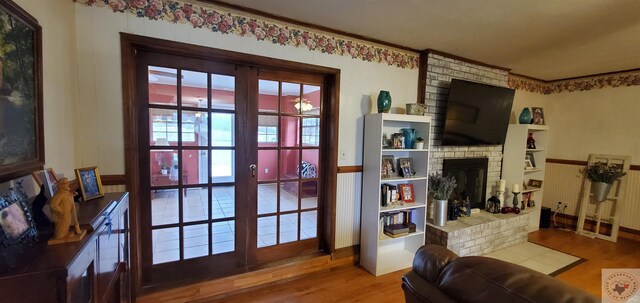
column 500, row 193
column 515, row 199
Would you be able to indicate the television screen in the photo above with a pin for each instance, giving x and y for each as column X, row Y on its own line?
column 477, row 114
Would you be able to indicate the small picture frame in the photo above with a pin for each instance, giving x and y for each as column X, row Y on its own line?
column 89, row 181
column 524, row 185
column 397, row 140
column 538, row 115
column 385, row 140
column 405, row 167
column 535, row 183
column 16, row 224
column 407, row 193
column 47, row 178
column 387, row 168
column 528, row 165
column 529, row 156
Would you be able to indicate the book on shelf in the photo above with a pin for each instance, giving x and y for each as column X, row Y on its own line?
column 388, row 194
column 397, row 223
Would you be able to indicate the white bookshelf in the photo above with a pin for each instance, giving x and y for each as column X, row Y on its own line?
column 515, row 150
column 379, row 253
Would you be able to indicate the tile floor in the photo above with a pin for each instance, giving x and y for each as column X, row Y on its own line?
column 533, row 256
column 164, row 210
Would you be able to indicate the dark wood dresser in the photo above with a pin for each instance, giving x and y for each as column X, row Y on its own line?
column 94, row 269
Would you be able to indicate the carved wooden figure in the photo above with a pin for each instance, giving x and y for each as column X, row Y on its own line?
column 64, row 213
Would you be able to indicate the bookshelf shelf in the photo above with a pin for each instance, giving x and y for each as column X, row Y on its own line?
column 515, row 153
column 379, row 253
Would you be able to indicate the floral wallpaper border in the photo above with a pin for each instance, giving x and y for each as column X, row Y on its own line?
column 201, row 15
column 582, row 84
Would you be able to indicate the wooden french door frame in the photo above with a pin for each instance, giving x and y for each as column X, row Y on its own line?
column 216, row 265
column 131, row 44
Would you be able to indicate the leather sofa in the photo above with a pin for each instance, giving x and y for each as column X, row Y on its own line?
column 439, row 275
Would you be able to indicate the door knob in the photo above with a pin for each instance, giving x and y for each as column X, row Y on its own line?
column 253, row 167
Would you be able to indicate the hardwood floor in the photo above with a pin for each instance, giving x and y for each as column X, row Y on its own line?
column 354, row 284
column 343, row 284
column 598, row 253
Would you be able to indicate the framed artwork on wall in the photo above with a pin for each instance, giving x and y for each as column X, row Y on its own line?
column 21, row 128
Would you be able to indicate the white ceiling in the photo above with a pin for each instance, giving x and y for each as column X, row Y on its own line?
column 545, row 39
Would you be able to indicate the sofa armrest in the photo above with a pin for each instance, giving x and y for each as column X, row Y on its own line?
column 418, row 290
column 430, row 260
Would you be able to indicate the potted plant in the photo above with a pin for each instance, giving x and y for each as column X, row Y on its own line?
column 441, row 187
column 602, row 176
column 419, row 143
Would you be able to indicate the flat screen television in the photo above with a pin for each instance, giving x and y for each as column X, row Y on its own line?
column 477, row 114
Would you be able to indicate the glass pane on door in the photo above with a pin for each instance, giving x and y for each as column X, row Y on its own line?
column 194, row 89
column 288, row 171
column 192, row 153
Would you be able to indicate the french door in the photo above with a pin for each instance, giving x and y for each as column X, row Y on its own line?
column 230, row 166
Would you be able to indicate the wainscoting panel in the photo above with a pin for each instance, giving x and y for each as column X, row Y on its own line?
column 563, row 183
column 114, row 188
column 348, row 199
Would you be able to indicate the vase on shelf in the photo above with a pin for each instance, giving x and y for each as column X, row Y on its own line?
column 601, row 190
column 384, row 101
column 525, row 116
column 409, row 137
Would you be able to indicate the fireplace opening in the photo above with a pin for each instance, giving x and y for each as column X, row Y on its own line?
column 471, row 178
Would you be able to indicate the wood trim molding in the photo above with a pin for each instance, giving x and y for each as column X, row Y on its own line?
column 565, row 161
column 437, row 52
column 350, row 169
column 580, row 163
column 632, row 70
column 423, row 62
column 306, row 24
column 347, row 252
column 113, row 180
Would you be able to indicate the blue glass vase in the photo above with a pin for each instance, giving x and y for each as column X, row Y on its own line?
column 525, row 116
column 384, row 101
column 409, row 137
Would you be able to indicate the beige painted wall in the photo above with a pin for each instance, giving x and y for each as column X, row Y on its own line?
column 60, row 80
column 599, row 121
column 100, row 110
column 581, row 123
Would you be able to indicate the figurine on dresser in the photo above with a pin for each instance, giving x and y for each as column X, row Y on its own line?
column 64, row 213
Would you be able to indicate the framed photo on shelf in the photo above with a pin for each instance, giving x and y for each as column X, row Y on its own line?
column 398, row 141
column 16, row 224
column 529, row 156
column 385, row 141
column 387, row 168
column 90, row 184
column 48, row 179
column 524, row 185
column 538, row 115
column 535, row 183
column 407, row 193
column 405, row 167
column 528, row 165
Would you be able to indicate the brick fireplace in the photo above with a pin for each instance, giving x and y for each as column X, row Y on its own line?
column 484, row 232
column 440, row 71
